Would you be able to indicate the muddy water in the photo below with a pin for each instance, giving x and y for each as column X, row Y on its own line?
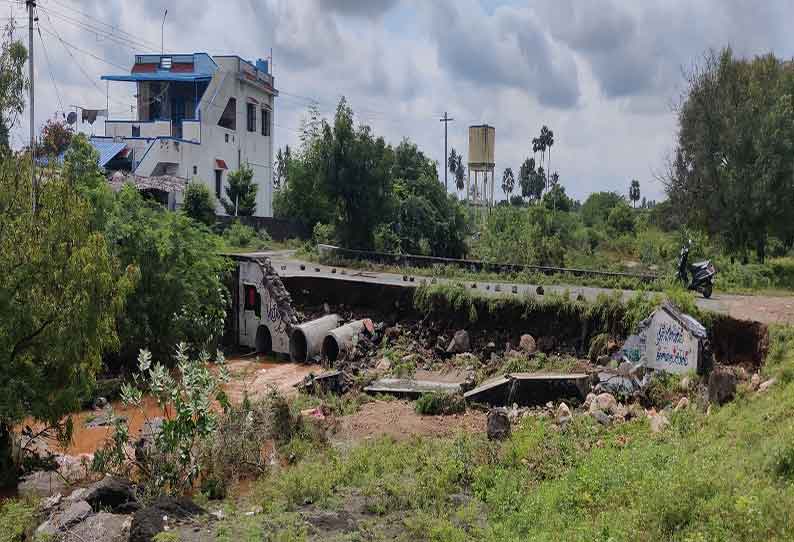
column 247, row 375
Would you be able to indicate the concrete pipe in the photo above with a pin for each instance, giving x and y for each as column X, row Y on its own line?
column 339, row 341
column 306, row 340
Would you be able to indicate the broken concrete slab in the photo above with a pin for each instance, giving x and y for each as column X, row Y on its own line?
column 327, row 382
column 528, row 389
column 409, row 387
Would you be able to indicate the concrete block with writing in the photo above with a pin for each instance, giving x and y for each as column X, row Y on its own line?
column 667, row 340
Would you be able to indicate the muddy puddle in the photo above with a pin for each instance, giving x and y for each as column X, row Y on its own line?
column 252, row 376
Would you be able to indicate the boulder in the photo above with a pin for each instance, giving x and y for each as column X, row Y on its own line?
column 63, row 520
column 498, row 425
column 111, row 494
column 563, row 415
column 104, row 527
column 685, row 384
column 722, row 386
column 149, row 521
column 146, row 437
column 527, row 344
column 635, row 411
column 683, row 404
column 659, row 422
column 460, row 342
column 41, row 484
column 589, row 400
column 605, row 402
column 601, row 417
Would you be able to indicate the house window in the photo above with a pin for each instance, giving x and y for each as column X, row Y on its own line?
column 250, row 110
column 265, row 122
column 229, row 116
column 195, row 170
column 218, row 182
column 136, row 131
column 226, row 137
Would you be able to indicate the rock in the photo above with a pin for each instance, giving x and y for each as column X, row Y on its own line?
column 764, row 386
column 391, row 333
column 149, row 521
column 685, row 384
column 563, row 415
column 219, row 515
column 605, row 402
column 683, row 403
column 589, row 400
column 65, row 519
column 46, row 505
column 498, row 425
column 603, row 360
column 755, row 381
column 527, row 344
column 146, row 437
column 601, row 417
column 112, row 494
column 41, row 484
column 635, row 411
column 722, row 386
column 100, row 403
column 325, row 522
column 546, row 344
column 104, row 527
column 460, row 342
column 659, row 422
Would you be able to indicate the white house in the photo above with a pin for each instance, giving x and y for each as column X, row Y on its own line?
column 200, row 117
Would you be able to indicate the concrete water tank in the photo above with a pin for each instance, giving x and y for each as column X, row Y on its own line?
column 482, row 140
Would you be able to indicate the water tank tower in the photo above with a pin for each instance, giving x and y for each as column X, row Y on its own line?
column 482, row 141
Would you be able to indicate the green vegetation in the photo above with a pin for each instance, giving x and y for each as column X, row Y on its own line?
column 440, row 403
column 239, row 236
column 199, row 203
column 241, row 193
column 17, row 520
column 372, row 194
column 722, row 476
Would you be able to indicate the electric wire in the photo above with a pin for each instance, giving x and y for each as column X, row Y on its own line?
column 49, row 69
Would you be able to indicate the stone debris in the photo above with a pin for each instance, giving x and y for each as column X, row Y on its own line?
column 498, row 425
column 764, row 386
column 460, row 343
column 563, row 415
column 527, row 344
column 683, row 404
column 755, row 381
column 659, row 422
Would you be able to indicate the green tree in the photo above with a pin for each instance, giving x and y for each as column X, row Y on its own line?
column 241, row 193
column 460, row 174
column 199, row 203
column 621, row 218
column 55, row 138
column 13, row 83
column 732, row 173
column 356, row 167
column 452, row 162
column 557, row 199
column 508, row 182
column 59, row 298
column 181, row 296
column 281, row 167
column 597, row 206
column 634, row 192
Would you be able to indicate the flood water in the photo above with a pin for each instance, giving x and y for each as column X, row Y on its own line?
column 250, row 376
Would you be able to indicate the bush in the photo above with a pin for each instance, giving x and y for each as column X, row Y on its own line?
column 440, row 403
column 199, row 203
column 324, row 234
column 386, row 240
column 621, row 218
column 241, row 236
column 170, row 464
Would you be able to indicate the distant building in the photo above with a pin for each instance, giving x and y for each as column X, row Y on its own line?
column 199, row 117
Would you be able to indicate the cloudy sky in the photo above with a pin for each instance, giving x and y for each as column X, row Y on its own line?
column 602, row 74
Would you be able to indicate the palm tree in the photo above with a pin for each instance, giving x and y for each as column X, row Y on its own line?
column 452, row 162
column 634, row 192
column 460, row 173
column 508, row 182
column 549, row 137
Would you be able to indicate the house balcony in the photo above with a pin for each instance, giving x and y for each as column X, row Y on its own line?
column 187, row 129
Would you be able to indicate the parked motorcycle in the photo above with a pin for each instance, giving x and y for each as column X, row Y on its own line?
column 703, row 273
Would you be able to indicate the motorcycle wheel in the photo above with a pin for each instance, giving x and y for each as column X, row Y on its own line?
column 707, row 291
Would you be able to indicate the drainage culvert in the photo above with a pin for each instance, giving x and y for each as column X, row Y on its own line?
column 339, row 341
column 306, row 341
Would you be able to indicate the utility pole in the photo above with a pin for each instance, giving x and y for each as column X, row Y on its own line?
column 446, row 119
column 162, row 34
column 31, row 4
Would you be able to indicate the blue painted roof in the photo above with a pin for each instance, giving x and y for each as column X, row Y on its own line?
column 108, row 149
column 203, row 69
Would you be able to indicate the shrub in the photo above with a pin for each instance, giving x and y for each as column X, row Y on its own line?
column 386, row 240
column 324, row 234
column 199, row 203
column 621, row 218
column 241, row 236
column 440, row 403
column 170, row 464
